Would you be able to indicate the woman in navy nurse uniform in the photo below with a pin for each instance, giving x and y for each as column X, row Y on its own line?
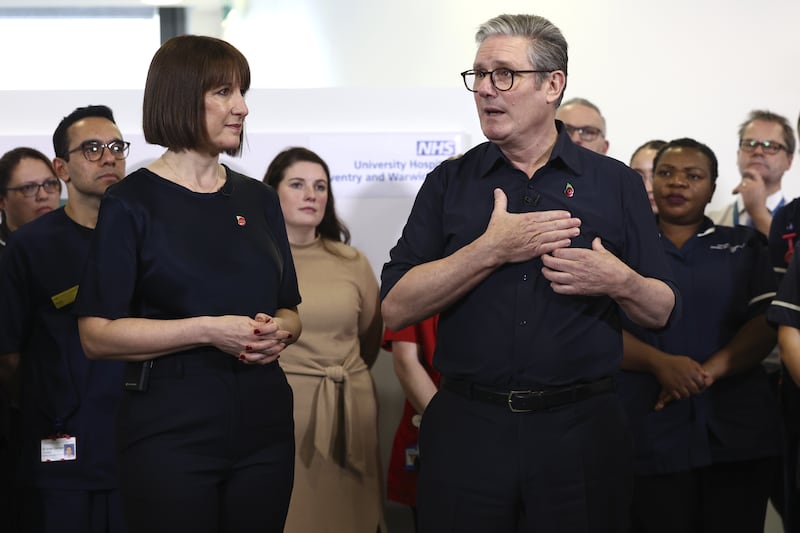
column 703, row 417
column 190, row 279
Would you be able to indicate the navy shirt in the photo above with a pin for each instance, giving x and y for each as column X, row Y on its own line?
column 162, row 251
column 62, row 390
column 725, row 278
column 512, row 329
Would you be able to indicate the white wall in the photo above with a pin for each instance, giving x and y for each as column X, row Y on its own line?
column 656, row 69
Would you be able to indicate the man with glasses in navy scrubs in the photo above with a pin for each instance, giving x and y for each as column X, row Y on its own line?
column 67, row 468
column 530, row 247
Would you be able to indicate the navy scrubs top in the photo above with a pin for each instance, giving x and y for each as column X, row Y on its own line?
column 726, row 279
column 62, row 390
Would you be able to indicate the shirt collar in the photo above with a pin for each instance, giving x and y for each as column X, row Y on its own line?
column 565, row 153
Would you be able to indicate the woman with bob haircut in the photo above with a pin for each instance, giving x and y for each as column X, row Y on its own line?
column 338, row 471
column 190, row 280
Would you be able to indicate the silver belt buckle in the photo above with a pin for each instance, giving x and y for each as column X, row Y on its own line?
column 511, row 403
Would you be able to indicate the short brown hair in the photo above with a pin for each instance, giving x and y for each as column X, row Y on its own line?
column 181, row 72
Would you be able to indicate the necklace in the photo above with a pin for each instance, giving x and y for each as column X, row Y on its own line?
column 193, row 185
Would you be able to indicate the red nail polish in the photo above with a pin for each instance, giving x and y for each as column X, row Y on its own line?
column 257, row 331
column 290, row 336
column 242, row 358
column 248, row 348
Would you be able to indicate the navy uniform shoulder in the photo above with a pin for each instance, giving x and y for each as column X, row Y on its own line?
column 788, row 217
column 38, row 227
column 740, row 235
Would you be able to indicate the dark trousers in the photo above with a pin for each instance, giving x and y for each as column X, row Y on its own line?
column 720, row 498
column 71, row 511
column 484, row 468
column 209, row 448
column 787, row 501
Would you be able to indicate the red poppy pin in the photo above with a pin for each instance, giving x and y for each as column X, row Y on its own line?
column 240, row 220
column 569, row 190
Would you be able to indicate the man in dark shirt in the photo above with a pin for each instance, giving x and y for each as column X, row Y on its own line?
column 529, row 246
column 67, row 464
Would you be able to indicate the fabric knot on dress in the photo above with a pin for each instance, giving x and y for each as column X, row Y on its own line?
column 335, row 373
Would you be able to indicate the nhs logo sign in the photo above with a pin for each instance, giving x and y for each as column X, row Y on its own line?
column 438, row 147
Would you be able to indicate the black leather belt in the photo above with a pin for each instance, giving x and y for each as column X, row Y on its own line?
column 528, row 401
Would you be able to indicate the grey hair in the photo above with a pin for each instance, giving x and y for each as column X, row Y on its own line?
column 547, row 49
column 586, row 103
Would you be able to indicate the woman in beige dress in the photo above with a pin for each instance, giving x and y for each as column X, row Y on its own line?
column 338, row 475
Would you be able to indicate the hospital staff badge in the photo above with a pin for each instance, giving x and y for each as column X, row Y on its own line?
column 241, row 220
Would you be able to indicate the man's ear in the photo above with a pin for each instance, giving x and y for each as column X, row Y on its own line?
column 60, row 167
column 556, row 83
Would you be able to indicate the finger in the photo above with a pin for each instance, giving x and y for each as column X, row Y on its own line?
column 500, row 200
column 262, row 317
column 597, row 245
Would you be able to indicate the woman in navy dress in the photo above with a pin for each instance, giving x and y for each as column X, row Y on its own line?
column 190, row 279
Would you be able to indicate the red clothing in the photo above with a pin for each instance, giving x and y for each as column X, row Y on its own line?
column 401, row 482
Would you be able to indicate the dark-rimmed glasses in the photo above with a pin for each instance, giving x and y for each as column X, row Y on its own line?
column 586, row 133
column 31, row 189
column 502, row 78
column 768, row 147
column 94, row 150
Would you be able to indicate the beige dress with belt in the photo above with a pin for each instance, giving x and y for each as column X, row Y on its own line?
column 338, row 483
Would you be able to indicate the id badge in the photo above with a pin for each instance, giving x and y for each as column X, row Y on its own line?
column 60, row 448
column 412, row 455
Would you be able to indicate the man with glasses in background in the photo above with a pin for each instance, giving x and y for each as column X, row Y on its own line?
column 67, row 400
column 585, row 124
column 530, row 248
column 766, row 148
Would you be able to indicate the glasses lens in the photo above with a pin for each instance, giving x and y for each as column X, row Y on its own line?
column 588, row 133
column 119, row 149
column 768, row 147
column 51, row 186
column 93, row 151
column 503, row 79
column 470, row 80
column 29, row 189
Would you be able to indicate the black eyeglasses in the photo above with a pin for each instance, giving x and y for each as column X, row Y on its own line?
column 502, row 78
column 94, row 150
column 768, row 147
column 586, row 133
column 31, row 189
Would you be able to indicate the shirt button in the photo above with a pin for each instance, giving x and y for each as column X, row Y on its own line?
column 528, row 200
column 523, row 322
column 524, row 277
